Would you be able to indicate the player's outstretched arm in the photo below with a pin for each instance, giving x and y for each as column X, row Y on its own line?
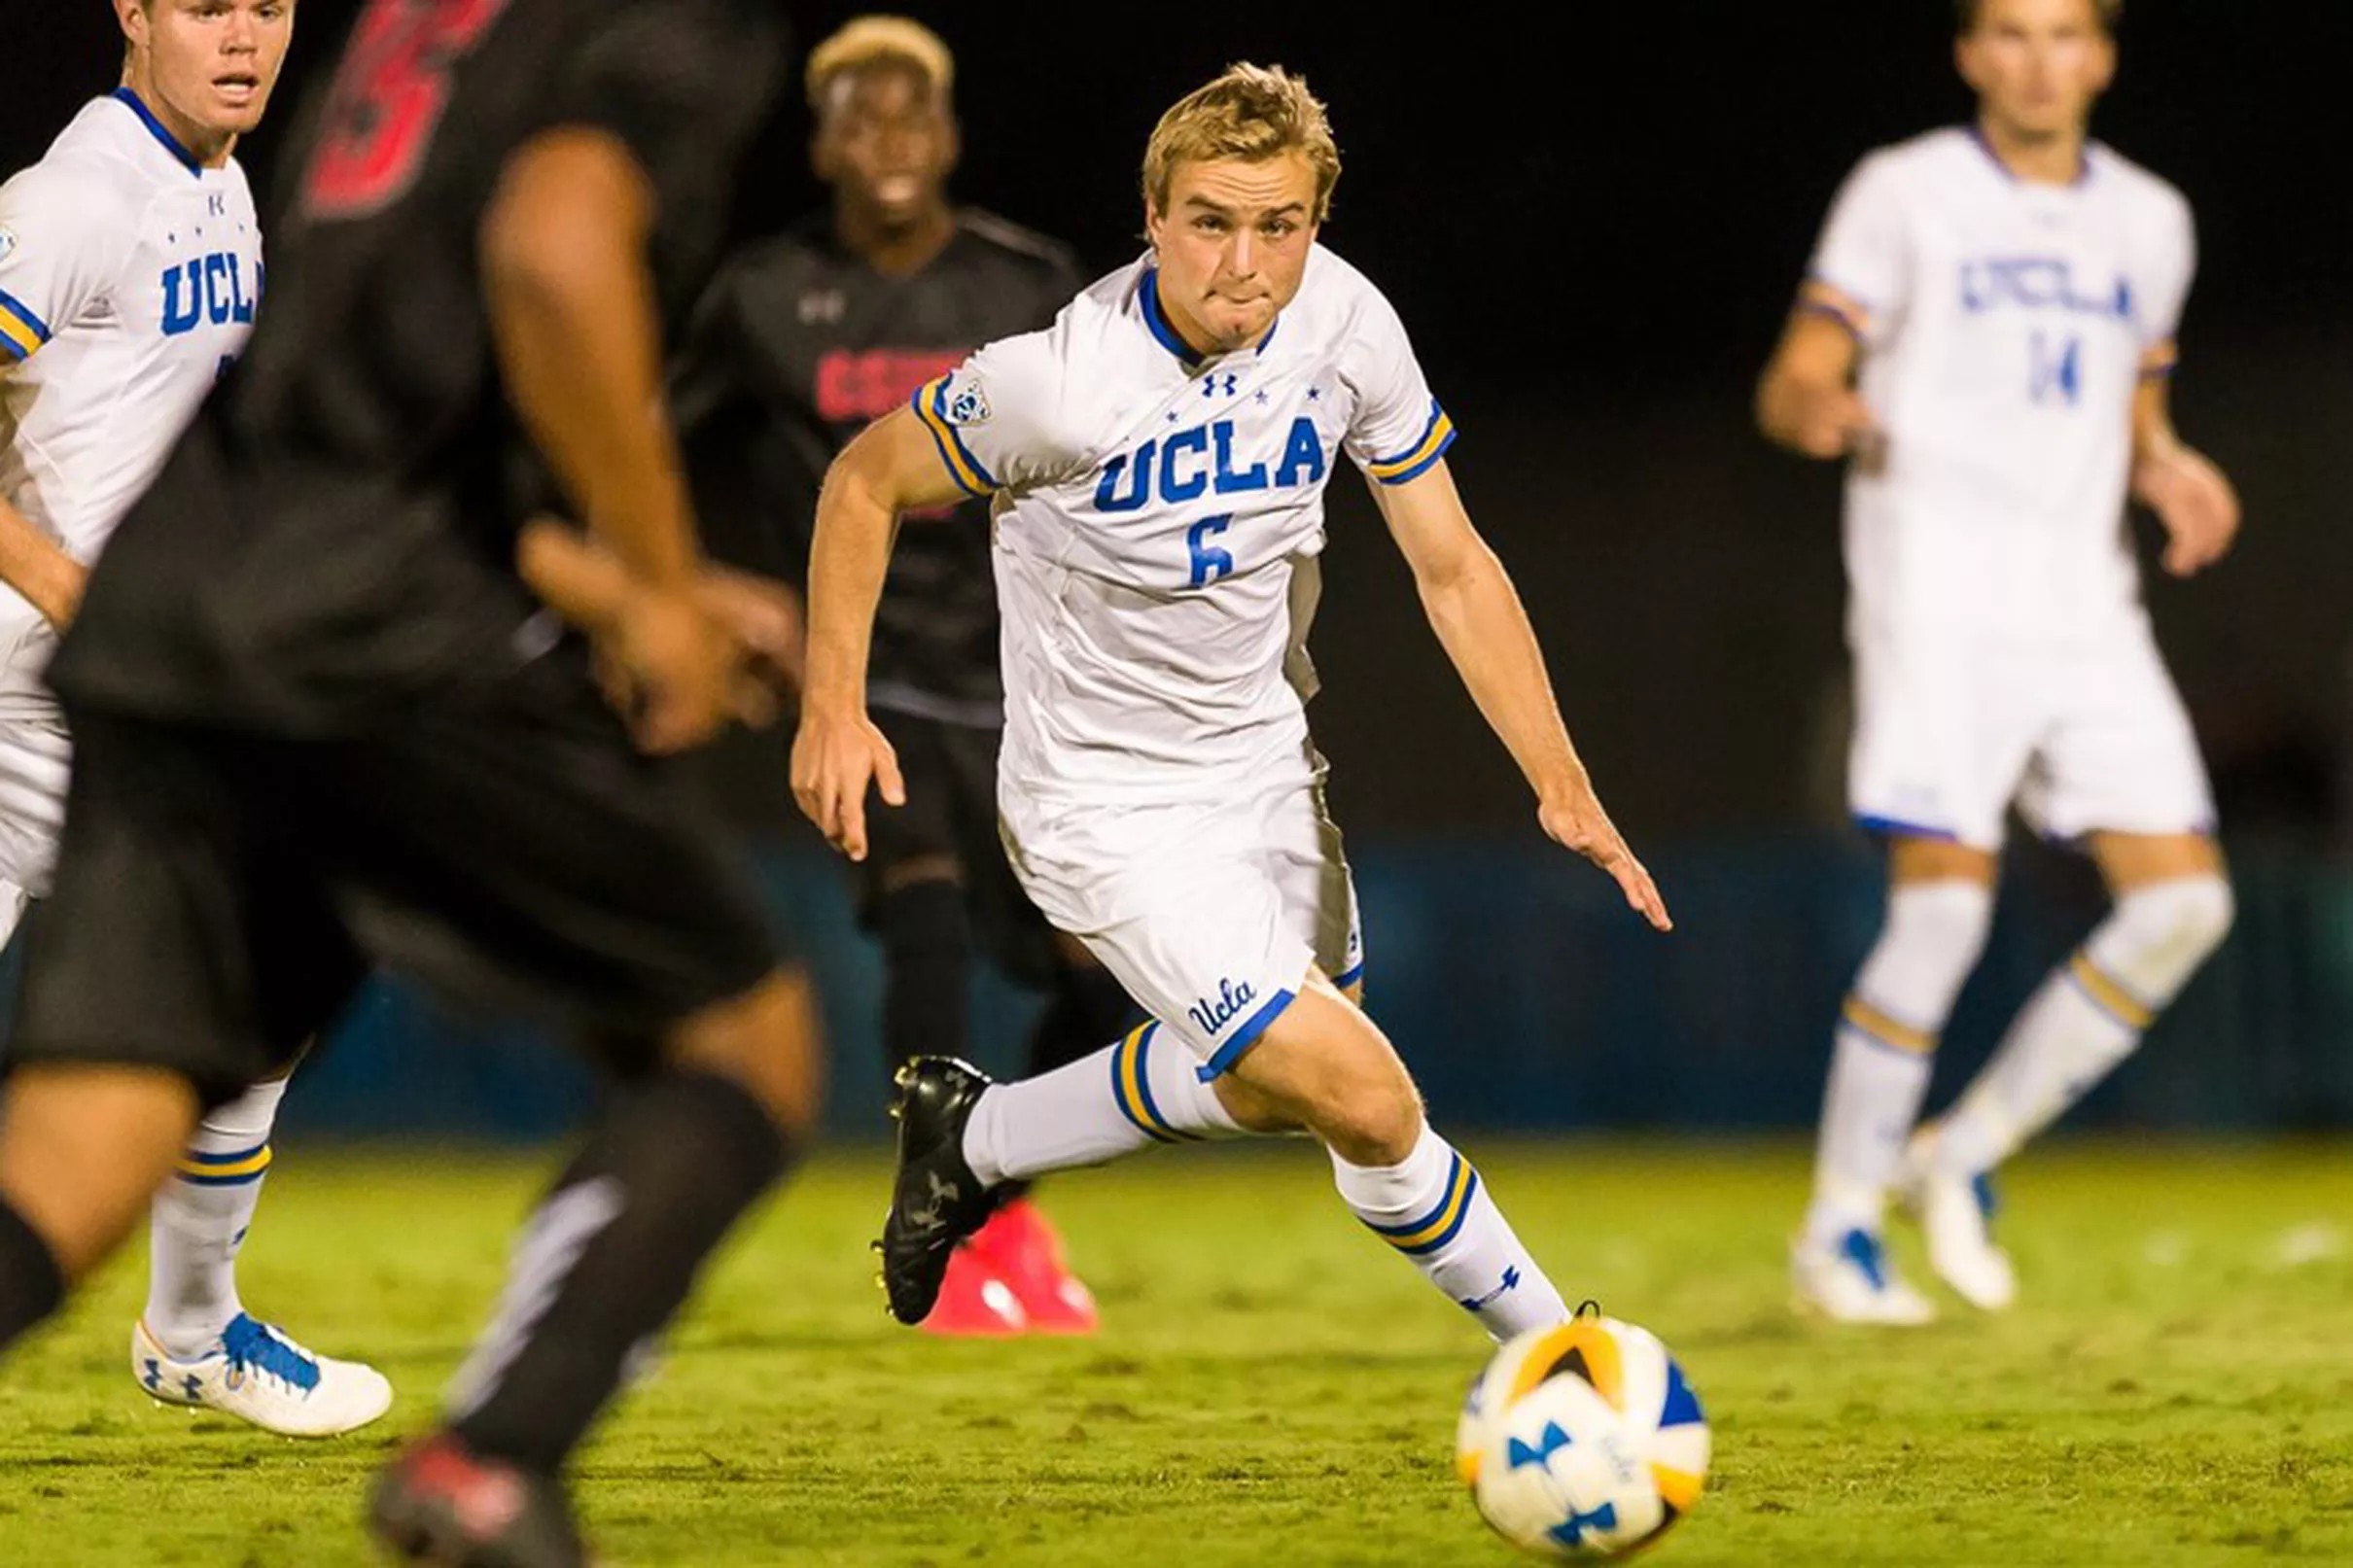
column 1479, row 619
column 572, row 307
column 892, row 466
column 32, row 563
column 2192, row 497
column 1806, row 399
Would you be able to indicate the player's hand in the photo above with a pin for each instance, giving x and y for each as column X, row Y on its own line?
column 764, row 619
column 589, row 588
column 1834, row 421
column 2194, row 501
column 1574, row 818
column 671, row 668
column 835, row 757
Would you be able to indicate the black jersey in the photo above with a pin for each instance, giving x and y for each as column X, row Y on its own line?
column 337, row 529
column 798, row 346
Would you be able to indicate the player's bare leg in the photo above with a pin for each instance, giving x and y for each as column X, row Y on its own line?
column 81, row 1151
column 2172, row 908
column 1939, row 902
column 603, row 1264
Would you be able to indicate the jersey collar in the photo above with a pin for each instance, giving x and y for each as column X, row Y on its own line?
column 1167, row 336
column 155, row 128
column 2082, row 166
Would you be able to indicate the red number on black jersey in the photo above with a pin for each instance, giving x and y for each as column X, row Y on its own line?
column 388, row 99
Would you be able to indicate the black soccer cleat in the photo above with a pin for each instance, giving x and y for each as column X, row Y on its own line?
column 935, row 1201
column 440, row 1503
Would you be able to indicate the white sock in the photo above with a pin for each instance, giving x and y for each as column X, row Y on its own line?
column 2088, row 1016
column 1885, row 1048
column 1126, row 1096
column 199, row 1222
column 1433, row 1207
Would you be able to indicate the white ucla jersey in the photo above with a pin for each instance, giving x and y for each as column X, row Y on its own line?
column 128, row 277
column 1155, row 515
column 2005, row 326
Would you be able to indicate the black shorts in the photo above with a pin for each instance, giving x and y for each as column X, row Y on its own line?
column 220, row 894
column 950, row 771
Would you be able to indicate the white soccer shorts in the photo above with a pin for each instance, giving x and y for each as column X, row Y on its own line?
column 35, row 762
column 1209, row 912
column 1951, row 730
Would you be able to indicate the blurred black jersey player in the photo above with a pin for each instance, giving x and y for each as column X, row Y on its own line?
column 324, row 723
column 800, row 342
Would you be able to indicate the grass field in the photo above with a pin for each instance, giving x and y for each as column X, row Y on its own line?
column 1273, row 1387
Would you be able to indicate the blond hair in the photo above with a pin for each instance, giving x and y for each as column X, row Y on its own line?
column 2108, row 12
column 1252, row 112
column 877, row 40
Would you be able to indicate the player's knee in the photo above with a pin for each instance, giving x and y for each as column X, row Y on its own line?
column 2177, row 923
column 1933, row 936
column 765, row 1041
column 1372, row 1118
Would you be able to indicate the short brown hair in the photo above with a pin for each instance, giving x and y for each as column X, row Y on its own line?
column 879, row 40
column 1966, row 12
column 1252, row 112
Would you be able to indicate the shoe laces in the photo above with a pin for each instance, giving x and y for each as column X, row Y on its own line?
column 254, row 1346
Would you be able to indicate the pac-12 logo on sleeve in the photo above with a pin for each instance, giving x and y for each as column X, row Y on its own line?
column 969, row 406
column 7, row 243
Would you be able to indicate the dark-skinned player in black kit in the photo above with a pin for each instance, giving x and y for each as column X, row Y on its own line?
column 803, row 340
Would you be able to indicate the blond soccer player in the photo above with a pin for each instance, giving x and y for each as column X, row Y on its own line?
column 1158, row 460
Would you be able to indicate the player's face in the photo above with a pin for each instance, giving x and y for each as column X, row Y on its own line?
column 885, row 142
column 1233, row 245
column 2038, row 64
column 213, row 62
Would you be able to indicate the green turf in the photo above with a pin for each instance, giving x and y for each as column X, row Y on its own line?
column 1273, row 1387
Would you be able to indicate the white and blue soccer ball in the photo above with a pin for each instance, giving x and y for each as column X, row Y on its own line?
column 1583, row 1439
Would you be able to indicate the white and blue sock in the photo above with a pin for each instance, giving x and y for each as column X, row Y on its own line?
column 199, row 1220
column 1432, row 1207
column 1885, row 1048
column 1143, row 1091
column 2088, row 1016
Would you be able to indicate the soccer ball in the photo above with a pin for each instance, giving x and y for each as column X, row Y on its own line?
column 1582, row 1439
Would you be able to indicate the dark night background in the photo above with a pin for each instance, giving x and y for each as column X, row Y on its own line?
column 1593, row 219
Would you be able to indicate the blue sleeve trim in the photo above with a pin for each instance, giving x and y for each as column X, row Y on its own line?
column 1424, row 465
column 25, row 314
column 940, row 406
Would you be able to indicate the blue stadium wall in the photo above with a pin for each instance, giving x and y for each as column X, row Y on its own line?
column 1528, row 999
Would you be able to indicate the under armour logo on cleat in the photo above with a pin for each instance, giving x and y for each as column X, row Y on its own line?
column 155, row 1377
column 194, row 1385
column 943, row 1193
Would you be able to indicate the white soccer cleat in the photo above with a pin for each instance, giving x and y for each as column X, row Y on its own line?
column 1853, row 1281
column 1956, row 1217
column 253, row 1372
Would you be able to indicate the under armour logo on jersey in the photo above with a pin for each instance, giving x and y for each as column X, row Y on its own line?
column 821, row 306
column 1210, row 387
column 217, row 204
